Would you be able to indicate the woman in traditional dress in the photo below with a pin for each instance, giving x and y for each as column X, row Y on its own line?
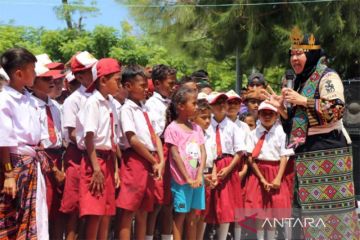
column 324, row 187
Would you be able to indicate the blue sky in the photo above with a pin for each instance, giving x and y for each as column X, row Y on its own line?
column 40, row 13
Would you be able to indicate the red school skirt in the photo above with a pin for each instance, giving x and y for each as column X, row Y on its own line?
column 53, row 191
column 137, row 184
column 289, row 176
column 162, row 187
column 226, row 198
column 263, row 204
column 99, row 204
column 72, row 159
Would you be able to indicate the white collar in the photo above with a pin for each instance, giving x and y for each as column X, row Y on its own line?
column 98, row 95
column 14, row 93
column 222, row 124
column 161, row 98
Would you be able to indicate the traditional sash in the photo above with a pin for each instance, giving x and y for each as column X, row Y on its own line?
column 300, row 120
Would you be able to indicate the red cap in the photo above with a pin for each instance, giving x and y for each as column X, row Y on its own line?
column 82, row 61
column 56, row 74
column 150, row 86
column 45, row 60
column 55, row 66
column 103, row 67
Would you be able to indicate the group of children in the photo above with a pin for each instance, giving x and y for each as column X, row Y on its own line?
column 181, row 157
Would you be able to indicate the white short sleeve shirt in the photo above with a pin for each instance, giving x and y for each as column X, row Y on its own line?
column 232, row 140
column 157, row 106
column 20, row 122
column 95, row 117
column 132, row 120
column 274, row 145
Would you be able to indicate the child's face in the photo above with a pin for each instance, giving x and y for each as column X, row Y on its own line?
column 137, row 88
column 44, row 85
column 27, row 74
column 250, row 121
column 233, row 107
column 253, row 105
column 57, row 90
column 267, row 118
column 84, row 77
column 112, row 83
column 190, row 106
column 219, row 108
column 203, row 119
column 166, row 87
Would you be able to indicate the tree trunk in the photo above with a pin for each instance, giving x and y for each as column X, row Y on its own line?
column 67, row 14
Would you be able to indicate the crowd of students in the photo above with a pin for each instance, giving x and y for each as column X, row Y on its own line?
column 93, row 145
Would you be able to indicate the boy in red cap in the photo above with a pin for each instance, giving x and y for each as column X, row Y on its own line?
column 140, row 164
column 80, row 64
column 52, row 144
column 96, row 130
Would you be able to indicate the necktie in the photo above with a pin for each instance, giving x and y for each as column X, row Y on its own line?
column 51, row 127
column 151, row 129
column 258, row 146
column 113, row 145
column 218, row 141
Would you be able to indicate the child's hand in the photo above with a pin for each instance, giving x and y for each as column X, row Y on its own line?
column 242, row 175
column 10, row 186
column 59, row 177
column 223, row 173
column 214, row 182
column 267, row 186
column 199, row 181
column 157, row 168
column 276, row 183
column 190, row 181
column 207, row 180
column 117, row 179
column 97, row 182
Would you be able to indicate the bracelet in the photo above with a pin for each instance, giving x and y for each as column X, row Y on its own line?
column 8, row 167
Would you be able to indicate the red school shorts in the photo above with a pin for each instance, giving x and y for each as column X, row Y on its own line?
column 137, row 183
column 53, row 191
column 72, row 159
column 100, row 204
column 162, row 186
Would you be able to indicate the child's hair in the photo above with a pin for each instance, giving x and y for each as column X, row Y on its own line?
column 130, row 72
column 202, row 105
column 16, row 58
column 161, row 72
column 187, row 79
column 179, row 97
column 244, row 115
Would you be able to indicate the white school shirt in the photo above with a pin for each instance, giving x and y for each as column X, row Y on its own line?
column 132, row 120
column 56, row 116
column 243, row 127
column 20, row 122
column 95, row 117
column 210, row 147
column 232, row 140
column 72, row 106
column 274, row 145
column 157, row 106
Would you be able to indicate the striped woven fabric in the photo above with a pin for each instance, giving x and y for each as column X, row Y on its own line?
column 326, row 191
column 18, row 216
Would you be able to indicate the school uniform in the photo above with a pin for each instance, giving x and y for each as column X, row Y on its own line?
column 73, row 155
column 157, row 106
column 272, row 146
column 52, row 143
column 99, row 117
column 227, row 196
column 137, row 182
column 27, row 217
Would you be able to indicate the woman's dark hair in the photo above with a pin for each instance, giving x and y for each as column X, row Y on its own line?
column 179, row 97
column 161, row 72
column 186, row 79
column 130, row 72
column 16, row 58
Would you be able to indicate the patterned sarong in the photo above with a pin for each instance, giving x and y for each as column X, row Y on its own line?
column 18, row 216
column 326, row 192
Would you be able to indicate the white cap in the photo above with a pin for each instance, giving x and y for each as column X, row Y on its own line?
column 214, row 96
column 43, row 58
column 70, row 77
column 82, row 61
column 267, row 106
column 4, row 74
column 41, row 70
column 202, row 96
column 232, row 95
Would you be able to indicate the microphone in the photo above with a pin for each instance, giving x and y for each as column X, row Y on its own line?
column 289, row 76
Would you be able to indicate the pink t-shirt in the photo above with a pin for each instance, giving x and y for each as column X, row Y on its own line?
column 188, row 144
